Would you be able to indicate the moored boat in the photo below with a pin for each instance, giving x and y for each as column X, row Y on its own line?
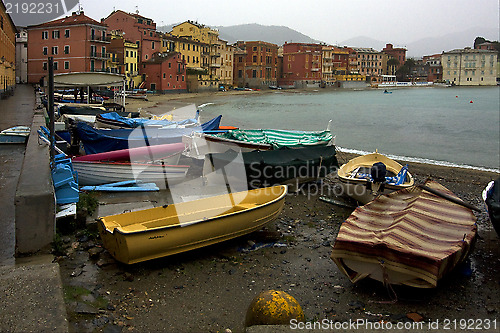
column 367, row 176
column 411, row 237
column 162, row 231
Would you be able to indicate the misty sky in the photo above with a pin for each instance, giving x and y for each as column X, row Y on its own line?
column 330, row 21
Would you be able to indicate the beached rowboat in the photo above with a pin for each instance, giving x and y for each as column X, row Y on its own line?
column 101, row 172
column 157, row 232
column 16, row 134
column 200, row 144
column 411, row 237
column 357, row 181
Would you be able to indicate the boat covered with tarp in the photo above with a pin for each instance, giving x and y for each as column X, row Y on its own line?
column 412, row 237
column 115, row 120
column 275, row 138
column 103, row 140
column 162, row 231
column 271, row 167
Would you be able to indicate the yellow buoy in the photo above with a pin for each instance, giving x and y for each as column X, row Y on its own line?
column 273, row 307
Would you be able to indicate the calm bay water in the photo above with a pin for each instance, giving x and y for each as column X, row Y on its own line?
column 433, row 125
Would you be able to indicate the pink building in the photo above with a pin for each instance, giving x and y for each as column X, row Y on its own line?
column 138, row 29
column 165, row 73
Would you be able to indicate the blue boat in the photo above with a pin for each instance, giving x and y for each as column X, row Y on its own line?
column 103, row 140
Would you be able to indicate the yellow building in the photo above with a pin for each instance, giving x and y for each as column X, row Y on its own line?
column 225, row 71
column 208, row 61
column 126, row 59
column 7, row 52
column 130, row 59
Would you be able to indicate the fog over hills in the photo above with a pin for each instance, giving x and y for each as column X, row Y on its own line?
column 416, row 49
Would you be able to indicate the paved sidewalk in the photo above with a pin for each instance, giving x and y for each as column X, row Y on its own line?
column 17, row 110
column 31, row 293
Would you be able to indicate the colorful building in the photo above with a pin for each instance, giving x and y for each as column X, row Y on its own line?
column 7, row 51
column 165, row 73
column 207, row 63
column 138, row 29
column 127, row 55
column 470, row 67
column 77, row 43
column 255, row 64
column 433, row 67
column 369, row 62
column 398, row 53
column 225, row 60
column 302, row 65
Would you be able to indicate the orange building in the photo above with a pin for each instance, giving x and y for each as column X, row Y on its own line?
column 302, row 65
column 255, row 64
column 7, row 51
column 77, row 43
column 165, row 73
column 398, row 53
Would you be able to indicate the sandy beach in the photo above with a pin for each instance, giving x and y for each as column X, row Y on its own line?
column 209, row 290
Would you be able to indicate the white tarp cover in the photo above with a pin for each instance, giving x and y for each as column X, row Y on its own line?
column 91, row 79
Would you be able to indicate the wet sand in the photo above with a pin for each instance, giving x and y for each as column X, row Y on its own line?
column 209, row 290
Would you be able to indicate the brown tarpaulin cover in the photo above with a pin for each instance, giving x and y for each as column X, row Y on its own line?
column 411, row 232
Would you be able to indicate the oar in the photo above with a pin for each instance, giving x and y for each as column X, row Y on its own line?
column 449, row 198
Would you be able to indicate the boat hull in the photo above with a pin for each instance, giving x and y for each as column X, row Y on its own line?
column 158, row 232
column 357, row 188
column 97, row 173
column 410, row 237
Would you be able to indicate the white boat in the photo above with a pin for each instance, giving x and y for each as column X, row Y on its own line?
column 99, row 172
column 356, row 177
column 17, row 134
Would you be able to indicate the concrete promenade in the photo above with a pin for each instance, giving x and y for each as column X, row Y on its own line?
column 31, row 290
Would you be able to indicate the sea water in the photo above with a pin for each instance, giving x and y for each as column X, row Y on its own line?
column 450, row 126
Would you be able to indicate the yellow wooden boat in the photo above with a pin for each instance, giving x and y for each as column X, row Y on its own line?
column 357, row 182
column 162, row 231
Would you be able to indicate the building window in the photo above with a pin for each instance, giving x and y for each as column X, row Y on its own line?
column 44, row 66
column 66, row 33
column 45, row 35
column 66, row 49
column 66, row 65
column 153, row 45
column 54, row 50
column 45, row 50
column 56, row 65
column 254, row 73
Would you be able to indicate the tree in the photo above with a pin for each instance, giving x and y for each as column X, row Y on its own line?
column 479, row 40
column 404, row 72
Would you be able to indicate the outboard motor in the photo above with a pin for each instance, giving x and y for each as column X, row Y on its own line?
column 378, row 172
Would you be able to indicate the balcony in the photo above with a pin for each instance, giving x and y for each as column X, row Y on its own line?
column 215, row 55
column 97, row 55
column 94, row 38
column 215, row 65
column 314, row 69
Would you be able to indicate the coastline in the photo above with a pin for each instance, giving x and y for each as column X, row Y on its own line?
column 170, row 104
